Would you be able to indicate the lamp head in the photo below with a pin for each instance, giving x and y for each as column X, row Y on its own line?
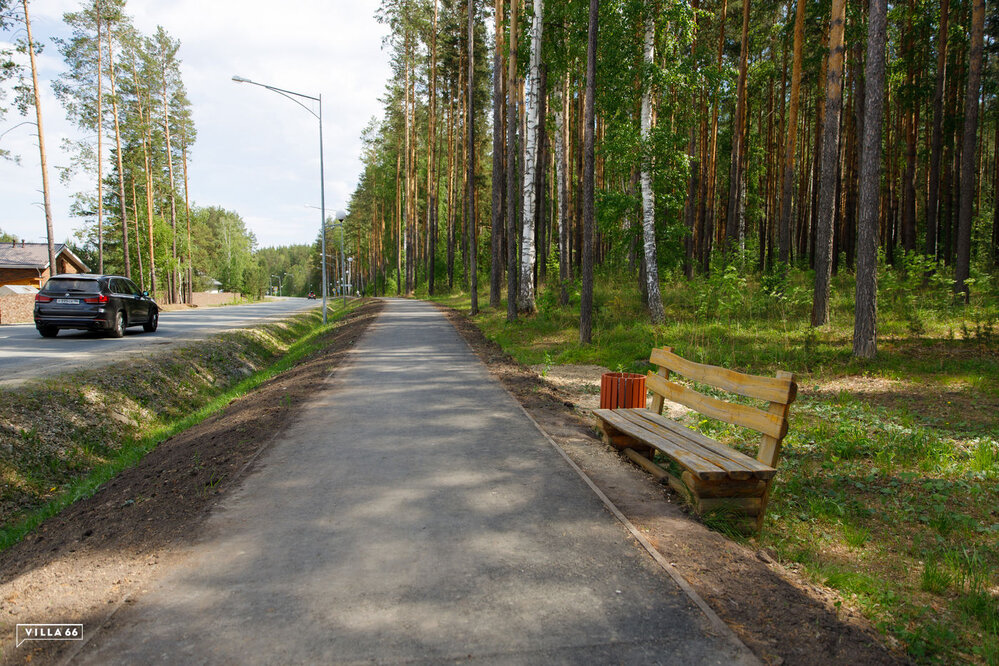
column 239, row 79
column 341, row 215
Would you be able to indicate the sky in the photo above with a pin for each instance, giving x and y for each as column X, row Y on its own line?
column 257, row 153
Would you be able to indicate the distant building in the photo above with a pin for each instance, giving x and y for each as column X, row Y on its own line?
column 18, row 289
column 28, row 263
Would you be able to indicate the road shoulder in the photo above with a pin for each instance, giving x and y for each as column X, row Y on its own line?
column 104, row 551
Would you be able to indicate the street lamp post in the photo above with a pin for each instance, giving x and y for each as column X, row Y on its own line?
column 280, row 283
column 322, row 177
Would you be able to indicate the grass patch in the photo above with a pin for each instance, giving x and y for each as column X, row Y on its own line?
column 888, row 485
column 63, row 438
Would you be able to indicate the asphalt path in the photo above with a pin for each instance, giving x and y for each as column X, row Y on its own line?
column 25, row 355
column 412, row 514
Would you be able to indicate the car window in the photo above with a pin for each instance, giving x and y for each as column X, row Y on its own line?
column 114, row 286
column 132, row 289
column 64, row 285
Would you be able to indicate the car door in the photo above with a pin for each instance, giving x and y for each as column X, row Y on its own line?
column 142, row 303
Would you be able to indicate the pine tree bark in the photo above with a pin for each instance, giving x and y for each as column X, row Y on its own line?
column 911, row 121
column 562, row 168
column 53, row 269
column 187, row 217
column 121, row 169
column 145, row 119
column 431, row 159
column 933, row 195
column 709, row 223
column 825, row 219
column 784, row 235
column 865, row 318
column 100, row 141
column 473, row 253
column 511, row 168
column 975, row 46
column 654, row 299
column 173, row 201
column 586, row 296
column 496, row 267
column 738, row 131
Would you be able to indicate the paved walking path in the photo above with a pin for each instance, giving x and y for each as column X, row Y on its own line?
column 414, row 514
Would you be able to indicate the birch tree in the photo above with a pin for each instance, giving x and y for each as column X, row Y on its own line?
column 525, row 298
column 655, row 300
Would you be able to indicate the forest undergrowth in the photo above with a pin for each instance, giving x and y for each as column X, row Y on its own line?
column 888, row 486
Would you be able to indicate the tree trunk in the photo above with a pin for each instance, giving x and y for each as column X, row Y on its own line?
column 709, row 223
column 541, row 217
column 911, row 117
column 655, row 299
column 932, row 199
column 562, row 168
column 864, row 327
column 53, row 269
column 735, row 178
column 525, row 296
column 173, row 201
column 511, row 168
column 138, row 246
column 473, row 250
column 187, row 216
column 496, row 268
column 825, row 219
column 100, row 143
column 784, row 236
column 146, row 120
column 586, row 300
column 975, row 45
column 121, row 169
column 431, row 159
column 995, row 200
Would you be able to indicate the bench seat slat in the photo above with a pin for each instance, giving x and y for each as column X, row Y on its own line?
column 758, row 470
column 696, row 465
column 733, row 469
column 743, row 415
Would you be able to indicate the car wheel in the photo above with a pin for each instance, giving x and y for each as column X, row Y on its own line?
column 48, row 331
column 154, row 320
column 119, row 325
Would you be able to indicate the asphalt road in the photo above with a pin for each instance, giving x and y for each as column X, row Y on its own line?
column 25, row 355
column 412, row 514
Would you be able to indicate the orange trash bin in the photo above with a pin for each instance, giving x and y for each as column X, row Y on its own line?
column 622, row 389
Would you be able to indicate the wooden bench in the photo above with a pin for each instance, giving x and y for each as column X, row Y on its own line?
column 714, row 476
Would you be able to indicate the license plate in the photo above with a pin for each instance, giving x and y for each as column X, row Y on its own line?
column 68, row 301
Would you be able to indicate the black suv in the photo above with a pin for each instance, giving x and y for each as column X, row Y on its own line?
column 93, row 302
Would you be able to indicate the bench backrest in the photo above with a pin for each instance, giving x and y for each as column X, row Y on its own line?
column 779, row 392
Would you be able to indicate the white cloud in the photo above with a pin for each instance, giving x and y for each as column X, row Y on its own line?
column 257, row 153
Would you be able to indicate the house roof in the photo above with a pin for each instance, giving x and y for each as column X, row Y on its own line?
column 33, row 255
column 17, row 289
